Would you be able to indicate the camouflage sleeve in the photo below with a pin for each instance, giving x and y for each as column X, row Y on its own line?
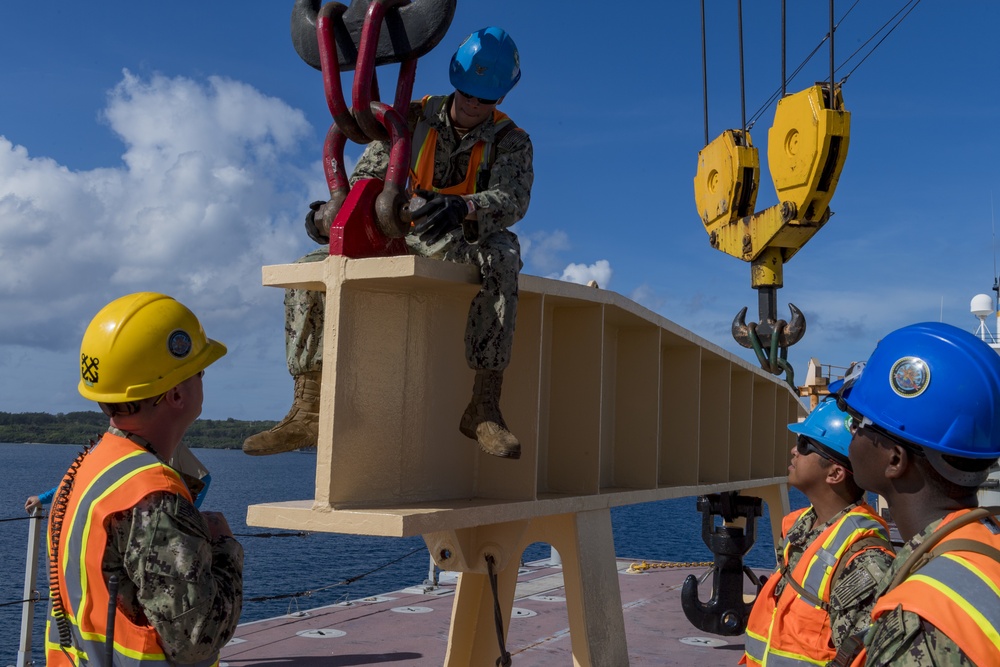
column 189, row 587
column 903, row 639
column 506, row 200
column 374, row 162
column 855, row 592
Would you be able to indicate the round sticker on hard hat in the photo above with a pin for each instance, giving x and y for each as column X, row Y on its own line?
column 179, row 343
column 909, row 377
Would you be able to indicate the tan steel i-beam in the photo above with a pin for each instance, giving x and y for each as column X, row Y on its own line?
column 613, row 404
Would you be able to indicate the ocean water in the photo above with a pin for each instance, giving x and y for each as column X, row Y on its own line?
column 279, row 566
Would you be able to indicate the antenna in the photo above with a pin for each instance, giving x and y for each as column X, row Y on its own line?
column 996, row 277
column 982, row 307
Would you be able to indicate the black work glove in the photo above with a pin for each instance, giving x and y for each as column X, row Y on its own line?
column 312, row 228
column 441, row 214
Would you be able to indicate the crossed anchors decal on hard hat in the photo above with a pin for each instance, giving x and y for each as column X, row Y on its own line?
column 89, row 369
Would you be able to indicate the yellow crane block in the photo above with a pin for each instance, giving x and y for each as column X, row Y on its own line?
column 725, row 185
column 807, row 148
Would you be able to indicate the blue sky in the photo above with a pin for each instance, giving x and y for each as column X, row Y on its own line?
column 174, row 147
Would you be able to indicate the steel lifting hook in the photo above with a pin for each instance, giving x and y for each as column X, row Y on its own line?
column 770, row 338
column 725, row 613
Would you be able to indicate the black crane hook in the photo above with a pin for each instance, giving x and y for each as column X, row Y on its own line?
column 725, row 613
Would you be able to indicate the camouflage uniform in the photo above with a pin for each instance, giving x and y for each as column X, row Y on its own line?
column 173, row 575
column 853, row 593
column 489, row 333
column 901, row 638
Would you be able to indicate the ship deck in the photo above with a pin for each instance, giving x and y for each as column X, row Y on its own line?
column 410, row 626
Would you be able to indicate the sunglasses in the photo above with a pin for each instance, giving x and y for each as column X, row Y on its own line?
column 804, row 446
column 861, row 424
column 478, row 99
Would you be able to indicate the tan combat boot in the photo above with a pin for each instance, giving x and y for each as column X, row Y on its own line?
column 299, row 428
column 482, row 420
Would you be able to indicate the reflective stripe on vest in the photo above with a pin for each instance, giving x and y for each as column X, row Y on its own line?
column 969, row 588
column 758, row 655
column 775, row 634
column 119, row 474
column 776, row 658
column 755, row 646
column 422, row 160
column 956, row 592
column 848, row 531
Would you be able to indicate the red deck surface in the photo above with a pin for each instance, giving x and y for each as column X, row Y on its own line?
column 410, row 627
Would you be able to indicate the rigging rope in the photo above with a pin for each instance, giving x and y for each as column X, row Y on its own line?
column 743, row 96
column 344, row 582
column 504, row 659
column 704, row 68
column 23, row 518
column 912, row 5
column 36, row 598
column 778, row 94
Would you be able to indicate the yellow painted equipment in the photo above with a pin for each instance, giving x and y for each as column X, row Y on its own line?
column 807, row 148
column 725, row 187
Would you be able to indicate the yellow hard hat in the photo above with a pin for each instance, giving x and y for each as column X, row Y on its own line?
column 140, row 346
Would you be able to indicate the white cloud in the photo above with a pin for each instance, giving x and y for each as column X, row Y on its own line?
column 584, row 273
column 541, row 251
column 211, row 188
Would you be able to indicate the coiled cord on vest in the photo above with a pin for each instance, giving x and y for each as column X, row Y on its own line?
column 56, row 516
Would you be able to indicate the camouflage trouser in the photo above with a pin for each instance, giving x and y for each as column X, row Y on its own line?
column 489, row 333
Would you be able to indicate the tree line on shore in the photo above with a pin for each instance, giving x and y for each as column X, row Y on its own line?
column 78, row 428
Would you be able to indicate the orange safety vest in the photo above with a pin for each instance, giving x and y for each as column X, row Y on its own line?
column 793, row 630
column 422, row 159
column 113, row 477
column 958, row 592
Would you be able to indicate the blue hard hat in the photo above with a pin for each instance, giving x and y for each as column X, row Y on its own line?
column 935, row 386
column 828, row 425
column 486, row 65
column 854, row 371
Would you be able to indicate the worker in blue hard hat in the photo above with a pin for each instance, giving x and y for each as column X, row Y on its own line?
column 471, row 168
column 831, row 558
column 926, row 431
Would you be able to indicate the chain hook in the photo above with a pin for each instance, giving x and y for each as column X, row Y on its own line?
column 382, row 203
column 777, row 335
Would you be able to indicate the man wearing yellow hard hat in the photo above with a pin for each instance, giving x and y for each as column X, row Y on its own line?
column 123, row 524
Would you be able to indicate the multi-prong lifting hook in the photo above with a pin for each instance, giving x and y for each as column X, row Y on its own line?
column 770, row 338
